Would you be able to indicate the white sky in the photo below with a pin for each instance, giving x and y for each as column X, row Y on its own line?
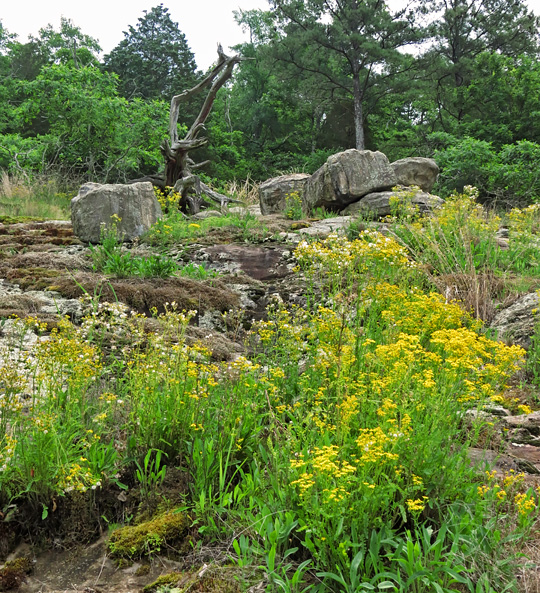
column 203, row 22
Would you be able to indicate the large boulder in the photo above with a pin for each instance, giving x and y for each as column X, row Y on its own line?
column 134, row 208
column 345, row 178
column 416, row 171
column 516, row 323
column 380, row 204
column 273, row 192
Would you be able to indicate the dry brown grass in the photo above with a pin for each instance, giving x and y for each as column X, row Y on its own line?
column 246, row 191
column 528, row 577
column 475, row 292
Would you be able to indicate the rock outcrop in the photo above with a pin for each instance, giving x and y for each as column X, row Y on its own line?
column 273, row 192
column 356, row 181
column 418, row 171
column 516, row 323
column 345, row 178
column 134, row 207
column 379, row 204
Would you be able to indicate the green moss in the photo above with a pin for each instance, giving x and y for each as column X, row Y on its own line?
column 295, row 226
column 14, row 572
column 165, row 579
column 34, row 278
column 6, row 219
column 220, row 582
column 142, row 570
column 136, row 541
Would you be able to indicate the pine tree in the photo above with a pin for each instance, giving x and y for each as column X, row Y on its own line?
column 153, row 60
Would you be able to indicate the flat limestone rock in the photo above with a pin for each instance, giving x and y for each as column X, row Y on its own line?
column 380, row 204
column 323, row 228
column 516, row 324
column 273, row 192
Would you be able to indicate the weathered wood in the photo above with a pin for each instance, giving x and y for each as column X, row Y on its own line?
column 186, row 187
column 156, row 180
column 191, row 190
column 178, row 165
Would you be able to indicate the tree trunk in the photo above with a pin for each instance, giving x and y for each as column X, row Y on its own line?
column 358, row 114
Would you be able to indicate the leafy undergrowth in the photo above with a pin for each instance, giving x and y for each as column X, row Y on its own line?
column 175, row 229
column 332, row 457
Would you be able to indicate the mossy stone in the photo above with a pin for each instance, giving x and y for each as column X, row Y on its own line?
column 148, row 538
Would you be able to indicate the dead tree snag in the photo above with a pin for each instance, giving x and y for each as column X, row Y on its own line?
column 179, row 166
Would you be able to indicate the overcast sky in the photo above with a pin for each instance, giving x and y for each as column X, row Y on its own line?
column 203, row 22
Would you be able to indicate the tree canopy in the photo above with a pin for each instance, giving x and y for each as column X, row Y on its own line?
column 153, row 60
column 458, row 79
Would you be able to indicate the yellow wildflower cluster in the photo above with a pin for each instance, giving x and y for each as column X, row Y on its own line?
column 167, row 198
column 78, row 478
column 44, row 422
column 525, row 503
column 402, row 205
column 524, row 222
column 464, row 351
column 373, row 444
column 336, row 254
column 507, row 492
column 6, row 453
column 323, row 467
column 13, row 383
column 414, row 312
column 35, row 324
column 416, row 505
column 66, row 359
column 462, row 213
column 511, row 403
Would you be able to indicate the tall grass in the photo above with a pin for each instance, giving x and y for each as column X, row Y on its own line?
column 459, row 249
column 40, row 197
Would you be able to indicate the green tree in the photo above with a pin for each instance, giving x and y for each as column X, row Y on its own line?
column 68, row 46
column 153, row 60
column 27, row 59
column 501, row 102
column 5, row 38
column 464, row 29
column 7, row 84
column 91, row 131
column 269, row 104
column 346, row 46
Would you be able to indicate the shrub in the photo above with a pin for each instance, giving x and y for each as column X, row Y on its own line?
column 509, row 176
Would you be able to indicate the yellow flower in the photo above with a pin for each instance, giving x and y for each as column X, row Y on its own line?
column 417, row 505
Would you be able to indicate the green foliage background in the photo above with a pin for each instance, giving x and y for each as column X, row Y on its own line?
column 462, row 88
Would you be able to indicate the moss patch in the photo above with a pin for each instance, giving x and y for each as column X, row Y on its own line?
column 14, row 573
column 4, row 219
column 220, row 581
column 33, row 278
column 145, row 295
column 150, row 537
column 173, row 578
